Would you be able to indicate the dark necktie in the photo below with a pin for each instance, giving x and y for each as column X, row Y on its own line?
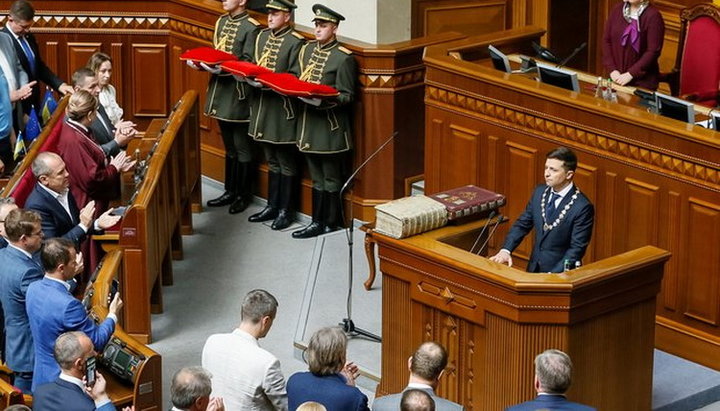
column 28, row 53
column 550, row 210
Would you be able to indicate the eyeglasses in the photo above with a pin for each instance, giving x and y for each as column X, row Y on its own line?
column 39, row 233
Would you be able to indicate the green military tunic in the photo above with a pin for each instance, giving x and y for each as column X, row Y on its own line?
column 273, row 116
column 327, row 129
column 227, row 98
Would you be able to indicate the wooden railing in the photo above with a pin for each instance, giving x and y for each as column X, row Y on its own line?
column 159, row 212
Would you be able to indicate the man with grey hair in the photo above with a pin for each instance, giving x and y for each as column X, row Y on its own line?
column 72, row 351
column 553, row 375
column 190, row 391
column 416, row 400
column 427, row 366
column 246, row 375
column 52, row 199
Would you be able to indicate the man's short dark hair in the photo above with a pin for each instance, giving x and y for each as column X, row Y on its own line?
column 20, row 222
column 22, row 10
column 416, row 400
column 565, row 155
column 258, row 304
column 429, row 360
column 54, row 252
column 189, row 384
column 80, row 75
column 553, row 369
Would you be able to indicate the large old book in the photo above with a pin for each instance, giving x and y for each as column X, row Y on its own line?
column 469, row 201
column 409, row 216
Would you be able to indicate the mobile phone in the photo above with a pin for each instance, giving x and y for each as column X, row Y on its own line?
column 118, row 211
column 90, row 366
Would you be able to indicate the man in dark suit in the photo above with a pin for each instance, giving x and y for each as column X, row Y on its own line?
column 52, row 310
column 68, row 391
column 52, row 199
column 561, row 215
column 20, row 269
column 19, row 22
column 111, row 137
column 426, row 366
column 553, row 374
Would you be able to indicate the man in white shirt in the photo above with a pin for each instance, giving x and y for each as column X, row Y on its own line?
column 245, row 375
column 427, row 366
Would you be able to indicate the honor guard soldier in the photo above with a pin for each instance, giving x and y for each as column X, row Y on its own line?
column 325, row 131
column 274, row 117
column 228, row 102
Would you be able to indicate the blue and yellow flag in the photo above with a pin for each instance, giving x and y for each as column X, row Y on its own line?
column 20, row 150
column 49, row 105
column 32, row 128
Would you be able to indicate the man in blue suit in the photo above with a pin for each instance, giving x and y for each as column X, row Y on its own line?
column 553, row 375
column 53, row 310
column 68, row 392
column 560, row 214
column 52, row 199
column 19, row 269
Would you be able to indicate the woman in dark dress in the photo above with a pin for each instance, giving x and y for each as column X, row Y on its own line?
column 632, row 44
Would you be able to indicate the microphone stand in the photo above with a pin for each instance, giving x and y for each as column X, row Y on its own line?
column 573, row 54
column 492, row 232
column 347, row 323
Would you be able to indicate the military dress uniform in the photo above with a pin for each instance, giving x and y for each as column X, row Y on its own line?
column 228, row 102
column 274, row 117
column 324, row 132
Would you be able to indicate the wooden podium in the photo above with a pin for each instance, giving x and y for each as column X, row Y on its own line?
column 494, row 319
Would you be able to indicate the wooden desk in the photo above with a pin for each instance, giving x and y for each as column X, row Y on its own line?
column 653, row 180
column 493, row 320
column 145, row 392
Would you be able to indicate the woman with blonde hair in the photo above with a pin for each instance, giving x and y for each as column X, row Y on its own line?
column 330, row 381
column 92, row 177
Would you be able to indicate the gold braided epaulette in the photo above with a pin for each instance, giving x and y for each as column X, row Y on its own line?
column 253, row 21
column 344, row 50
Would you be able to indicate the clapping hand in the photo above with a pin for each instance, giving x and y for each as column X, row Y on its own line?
column 122, row 162
column 351, row 372
column 106, row 220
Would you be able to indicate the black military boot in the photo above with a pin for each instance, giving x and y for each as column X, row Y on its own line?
column 317, row 226
column 243, row 188
column 287, row 194
column 333, row 215
column 271, row 209
column 230, row 176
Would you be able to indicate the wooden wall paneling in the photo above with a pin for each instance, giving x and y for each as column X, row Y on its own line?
column 51, row 56
column 433, row 142
column 670, row 290
column 521, row 171
column 641, row 215
column 586, row 178
column 150, row 90
column 606, row 238
column 469, row 17
column 463, row 146
column 78, row 54
column 399, row 335
column 117, row 79
column 703, row 287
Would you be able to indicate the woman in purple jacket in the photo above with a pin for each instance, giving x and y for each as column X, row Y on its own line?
column 632, row 44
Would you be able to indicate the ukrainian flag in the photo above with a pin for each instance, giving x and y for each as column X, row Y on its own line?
column 49, row 105
column 20, row 149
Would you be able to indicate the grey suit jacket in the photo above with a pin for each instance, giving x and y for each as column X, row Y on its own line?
column 7, row 48
column 392, row 402
column 104, row 134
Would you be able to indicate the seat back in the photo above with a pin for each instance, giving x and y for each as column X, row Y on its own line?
column 24, row 186
column 699, row 54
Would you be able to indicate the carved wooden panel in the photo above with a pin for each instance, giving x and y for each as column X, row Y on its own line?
column 703, row 288
column 118, row 67
column 671, row 281
column 586, row 177
column 52, row 58
column 398, row 333
column 640, row 215
column 78, row 55
column 469, row 17
column 149, row 79
column 521, row 165
column 461, row 145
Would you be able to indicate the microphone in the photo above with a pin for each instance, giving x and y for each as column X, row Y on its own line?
column 492, row 232
column 573, row 54
column 544, row 53
column 493, row 213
